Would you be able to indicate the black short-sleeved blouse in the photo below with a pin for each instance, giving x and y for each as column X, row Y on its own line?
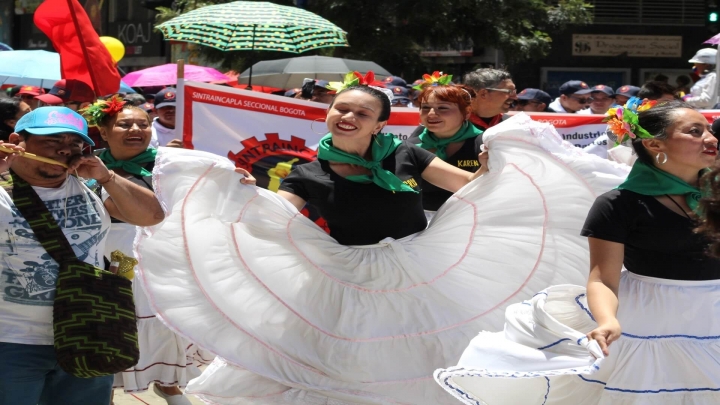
column 465, row 158
column 365, row 213
column 658, row 242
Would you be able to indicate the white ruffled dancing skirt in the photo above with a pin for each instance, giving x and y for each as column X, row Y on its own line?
column 669, row 351
column 165, row 357
column 298, row 318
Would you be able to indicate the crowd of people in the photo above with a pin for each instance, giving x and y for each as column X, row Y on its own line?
column 477, row 210
column 698, row 89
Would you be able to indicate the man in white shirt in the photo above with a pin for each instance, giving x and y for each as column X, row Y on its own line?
column 163, row 126
column 602, row 97
column 29, row 370
column 574, row 96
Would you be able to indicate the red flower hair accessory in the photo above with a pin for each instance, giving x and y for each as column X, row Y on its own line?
column 96, row 113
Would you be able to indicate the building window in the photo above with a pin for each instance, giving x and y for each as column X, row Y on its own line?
column 649, row 12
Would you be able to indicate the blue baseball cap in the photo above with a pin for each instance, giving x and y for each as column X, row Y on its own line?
column 400, row 93
column 322, row 84
column 54, row 121
column 535, row 94
column 575, row 87
column 627, row 91
column 393, row 81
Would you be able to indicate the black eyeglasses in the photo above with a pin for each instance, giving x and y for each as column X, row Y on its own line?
column 526, row 102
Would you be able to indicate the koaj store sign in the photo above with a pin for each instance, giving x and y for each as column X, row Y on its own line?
column 138, row 38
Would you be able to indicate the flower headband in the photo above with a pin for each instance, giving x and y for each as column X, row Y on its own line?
column 437, row 78
column 623, row 121
column 357, row 79
column 97, row 111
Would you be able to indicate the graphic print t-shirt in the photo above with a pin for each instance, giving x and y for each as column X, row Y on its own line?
column 28, row 274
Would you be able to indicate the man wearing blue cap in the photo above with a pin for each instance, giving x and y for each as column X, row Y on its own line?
column 163, row 126
column 533, row 100
column 401, row 96
column 625, row 93
column 29, row 370
column 602, row 97
column 574, row 96
column 321, row 94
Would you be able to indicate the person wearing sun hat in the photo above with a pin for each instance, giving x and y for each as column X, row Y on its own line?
column 29, row 372
column 703, row 94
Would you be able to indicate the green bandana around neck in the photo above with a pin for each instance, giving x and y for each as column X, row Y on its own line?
column 649, row 180
column 428, row 140
column 382, row 145
column 131, row 166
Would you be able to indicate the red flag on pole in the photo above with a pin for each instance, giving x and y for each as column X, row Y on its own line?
column 82, row 56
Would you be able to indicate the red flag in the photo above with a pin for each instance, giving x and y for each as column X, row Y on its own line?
column 82, row 56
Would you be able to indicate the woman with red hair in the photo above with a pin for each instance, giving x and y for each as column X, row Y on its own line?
column 446, row 131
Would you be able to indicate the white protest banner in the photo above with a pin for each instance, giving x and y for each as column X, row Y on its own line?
column 268, row 134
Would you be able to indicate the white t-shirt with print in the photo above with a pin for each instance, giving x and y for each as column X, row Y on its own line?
column 27, row 272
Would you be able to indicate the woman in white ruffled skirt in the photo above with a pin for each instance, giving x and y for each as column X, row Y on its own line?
column 667, row 301
column 368, row 312
column 167, row 360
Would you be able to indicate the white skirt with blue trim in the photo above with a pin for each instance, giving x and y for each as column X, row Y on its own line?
column 297, row 318
column 669, row 352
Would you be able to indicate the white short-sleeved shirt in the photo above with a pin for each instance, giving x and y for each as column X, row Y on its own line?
column 161, row 135
column 27, row 272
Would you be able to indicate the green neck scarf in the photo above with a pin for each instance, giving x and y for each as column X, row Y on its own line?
column 383, row 145
column 131, row 166
column 649, row 180
column 430, row 141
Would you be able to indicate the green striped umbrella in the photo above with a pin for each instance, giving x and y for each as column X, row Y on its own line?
column 254, row 25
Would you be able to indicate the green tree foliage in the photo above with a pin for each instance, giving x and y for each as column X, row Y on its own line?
column 392, row 33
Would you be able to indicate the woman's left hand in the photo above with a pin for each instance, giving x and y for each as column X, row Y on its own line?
column 483, row 160
column 248, row 179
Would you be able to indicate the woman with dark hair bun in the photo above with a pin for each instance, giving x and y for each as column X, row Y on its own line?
column 11, row 110
column 653, row 294
column 710, row 209
column 353, row 153
column 446, row 131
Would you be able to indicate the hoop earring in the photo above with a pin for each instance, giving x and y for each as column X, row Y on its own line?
column 657, row 158
column 313, row 130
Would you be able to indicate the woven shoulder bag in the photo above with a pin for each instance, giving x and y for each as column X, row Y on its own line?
column 94, row 325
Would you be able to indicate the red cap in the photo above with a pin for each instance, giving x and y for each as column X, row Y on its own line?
column 31, row 90
column 68, row 90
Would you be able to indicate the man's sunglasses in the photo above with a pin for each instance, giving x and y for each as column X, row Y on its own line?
column 526, row 102
column 582, row 100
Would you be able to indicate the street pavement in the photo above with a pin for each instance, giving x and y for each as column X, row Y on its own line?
column 147, row 397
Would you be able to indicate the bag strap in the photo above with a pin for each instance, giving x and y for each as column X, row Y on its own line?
column 44, row 226
column 6, row 183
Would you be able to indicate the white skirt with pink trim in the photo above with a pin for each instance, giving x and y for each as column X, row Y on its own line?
column 166, row 358
column 298, row 318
